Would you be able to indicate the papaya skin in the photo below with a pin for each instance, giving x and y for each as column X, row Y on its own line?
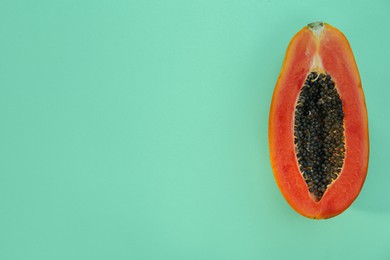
column 323, row 48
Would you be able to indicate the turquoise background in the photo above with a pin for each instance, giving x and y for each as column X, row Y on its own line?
column 138, row 130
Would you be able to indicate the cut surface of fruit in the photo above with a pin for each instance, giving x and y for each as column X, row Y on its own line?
column 318, row 131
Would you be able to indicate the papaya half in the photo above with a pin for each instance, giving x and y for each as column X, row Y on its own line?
column 318, row 128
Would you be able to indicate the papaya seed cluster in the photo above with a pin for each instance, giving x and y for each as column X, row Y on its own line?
column 319, row 133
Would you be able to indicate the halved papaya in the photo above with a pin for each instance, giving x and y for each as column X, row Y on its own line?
column 318, row 128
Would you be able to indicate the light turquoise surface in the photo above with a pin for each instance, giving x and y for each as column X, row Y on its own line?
column 138, row 130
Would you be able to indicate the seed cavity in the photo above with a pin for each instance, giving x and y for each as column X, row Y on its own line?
column 319, row 133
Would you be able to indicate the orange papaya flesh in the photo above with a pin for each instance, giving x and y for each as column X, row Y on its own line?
column 319, row 52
